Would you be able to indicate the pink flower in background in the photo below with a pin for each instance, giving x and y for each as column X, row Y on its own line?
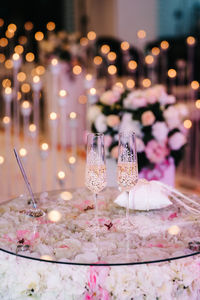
column 113, row 120
column 156, row 152
column 114, row 152
column 110, row 97
column 148, row 118
column 107, row 140
column 177, row 140
column 160, row 131
column 135, row 100
column 151, row 95
column 96, row 282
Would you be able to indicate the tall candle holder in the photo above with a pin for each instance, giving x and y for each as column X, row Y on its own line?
column 72, row 165
column 62, row 102
column 16, row 65
column 191, row 42
column 53, row 125
column 172, row 77
column 44, row 153
column 26, row 110
column 7, row 95
column 8, row 147
column 61, row 177
column 55, row 70
column 164, row 45
column 2, row 161
column 32, row 131
column 36, row 86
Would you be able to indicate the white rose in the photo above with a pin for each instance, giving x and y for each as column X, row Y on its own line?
column 100, row 123
column 128, row 124
column 93, row 112
column 160, row 131
column 135, row 100
column 109, row 97
column 182, row 109
column 172, row 117
column 165, row 99
column 140, row 145
column 176, row 141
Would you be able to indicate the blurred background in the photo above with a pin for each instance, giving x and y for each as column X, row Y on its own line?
column 58, row 57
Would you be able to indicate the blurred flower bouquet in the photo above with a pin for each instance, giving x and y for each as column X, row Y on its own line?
column 151, row 113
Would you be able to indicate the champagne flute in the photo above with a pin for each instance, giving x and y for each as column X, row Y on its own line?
column 127, row 167
column 95, row 176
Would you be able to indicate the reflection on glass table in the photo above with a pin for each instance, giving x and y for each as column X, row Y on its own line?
column 65, row 234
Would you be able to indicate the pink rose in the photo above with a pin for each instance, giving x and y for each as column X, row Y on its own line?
column 156, row 152
column 109, row 97
column 114, row 152
column 135, row 100
column 151, row 95
column 148, row 118
column 107, row 140
column 113, row 120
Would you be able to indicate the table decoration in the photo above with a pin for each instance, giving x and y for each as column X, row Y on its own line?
column 95, row 174
column 155, row 118
column 127, row 168
column 64, row 263
column 44, row 153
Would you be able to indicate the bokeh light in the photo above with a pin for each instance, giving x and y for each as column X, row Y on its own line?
column 112, row 69
column 187, row 124
column 51, row 26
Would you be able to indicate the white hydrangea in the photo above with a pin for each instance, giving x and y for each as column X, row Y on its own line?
column 177, row 140
column 160, row 131
column 101, row 123
column 93, row 112
column 128, row 124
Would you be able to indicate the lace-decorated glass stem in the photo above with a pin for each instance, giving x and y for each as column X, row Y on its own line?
column 127, row 169
column 95, row 176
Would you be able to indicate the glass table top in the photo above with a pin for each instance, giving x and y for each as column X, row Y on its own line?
column 68, row 233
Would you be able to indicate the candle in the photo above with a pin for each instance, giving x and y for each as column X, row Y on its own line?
column 61, row 178
column 44, row 152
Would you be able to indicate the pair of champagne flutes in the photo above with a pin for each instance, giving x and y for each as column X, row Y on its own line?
column 127, row 166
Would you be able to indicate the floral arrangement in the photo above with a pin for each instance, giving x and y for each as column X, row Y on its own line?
column 26, row 278
column 151, row 113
